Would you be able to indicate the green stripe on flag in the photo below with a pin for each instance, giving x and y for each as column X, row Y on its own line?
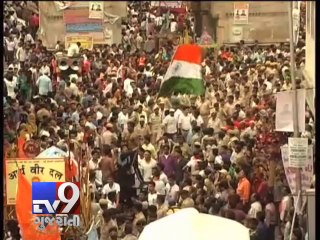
column 190, row 86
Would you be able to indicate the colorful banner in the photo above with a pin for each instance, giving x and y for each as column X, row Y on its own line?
column 96, row 10
column 298, row 152
column 84, row 28
column 241, row 13
column 86, row 41
column 167, row 4
column 306, row 171
column 40, row 170
column 77, row 16
column 284, row 110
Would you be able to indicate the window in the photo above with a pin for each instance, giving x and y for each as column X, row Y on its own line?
column 312, row 18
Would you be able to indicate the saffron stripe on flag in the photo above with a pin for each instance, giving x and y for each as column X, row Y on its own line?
column 189, row 53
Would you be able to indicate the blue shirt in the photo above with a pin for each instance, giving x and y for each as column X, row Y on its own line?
column 75, row 117
column 263, row 231
column 44, row 84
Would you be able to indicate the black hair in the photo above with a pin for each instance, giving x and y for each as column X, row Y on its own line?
column 269, row 198
column 230, row 214
column 261, row 216
column 128, row 228
column 152, row 183
column 138, row 206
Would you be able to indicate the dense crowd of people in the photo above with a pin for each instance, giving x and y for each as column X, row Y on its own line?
column 218, row 153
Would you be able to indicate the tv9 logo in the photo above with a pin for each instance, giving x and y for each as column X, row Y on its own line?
column 56, row 198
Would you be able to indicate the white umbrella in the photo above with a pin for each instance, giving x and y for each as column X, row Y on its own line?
column 52, row 152
column 189, row 224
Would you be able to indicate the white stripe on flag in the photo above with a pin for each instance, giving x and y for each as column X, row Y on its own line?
column 183, row 69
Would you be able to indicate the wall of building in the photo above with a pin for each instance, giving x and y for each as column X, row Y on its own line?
column 310, row 68
column 268, row 22
column 52, row 27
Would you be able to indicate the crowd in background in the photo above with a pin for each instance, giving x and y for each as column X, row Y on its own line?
column 218, row 153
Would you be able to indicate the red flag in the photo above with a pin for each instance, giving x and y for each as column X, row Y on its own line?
column 71, row 170
column 29, row 229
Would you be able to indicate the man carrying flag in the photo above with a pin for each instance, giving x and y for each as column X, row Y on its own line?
column 184, row 73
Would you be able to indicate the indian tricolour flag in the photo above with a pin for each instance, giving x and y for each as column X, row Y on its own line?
column 184, row 73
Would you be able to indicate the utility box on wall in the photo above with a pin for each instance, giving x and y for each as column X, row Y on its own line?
column 236, row 34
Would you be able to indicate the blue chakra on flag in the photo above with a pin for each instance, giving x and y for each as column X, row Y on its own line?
column 177, row 67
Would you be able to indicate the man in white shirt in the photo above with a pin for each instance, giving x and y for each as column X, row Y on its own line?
column 127, row 87
column 158, row 21
column 173, row 25
column 285, row 204
column 29, row 38
column 73, row 87
column 184, row 123
column 44, row 84
column 193, row 164
column 21, row 54
column 172, row 190
column 241, row 113
column 214, row 122
column 255, row 206
column 148, row 71
column 152, row 194
column 45, row 68
column 170, row 124
column 94, row 165
column 146, row 166
column 112, row 186
column 177, row 114
column 10, row 49
column 74, row 49
column 123, row 118
column 139, row 41
column 11, row 84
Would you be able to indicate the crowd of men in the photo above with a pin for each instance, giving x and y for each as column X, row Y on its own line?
column 217, row 153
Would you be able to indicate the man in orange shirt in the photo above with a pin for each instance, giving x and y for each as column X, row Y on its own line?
column 244, row 186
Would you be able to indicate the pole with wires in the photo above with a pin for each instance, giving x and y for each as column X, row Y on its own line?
column 295, row 99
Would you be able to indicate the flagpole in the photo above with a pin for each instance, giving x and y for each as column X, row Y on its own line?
column 164, row 77
column 295, row 98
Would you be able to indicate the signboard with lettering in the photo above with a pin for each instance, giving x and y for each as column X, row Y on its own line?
column 174, row 6
column 36, row 170
column 167, row 4
column 86, row 41
column 298, row 152
column 306, row 171
column 241, row 13
column 96, row 10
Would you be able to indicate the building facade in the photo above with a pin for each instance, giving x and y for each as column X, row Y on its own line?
column 267, row 22
column 53, row 27
column 309, row 71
